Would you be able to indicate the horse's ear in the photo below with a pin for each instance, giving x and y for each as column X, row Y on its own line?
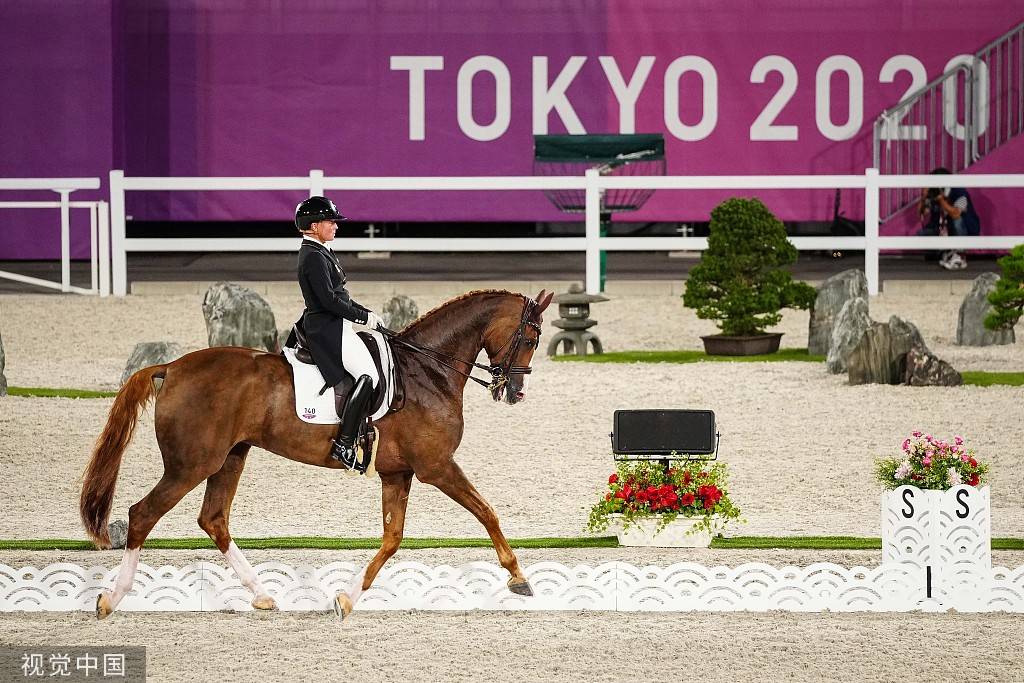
column 543, row 300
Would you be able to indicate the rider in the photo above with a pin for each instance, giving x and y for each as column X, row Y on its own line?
column 327, row 322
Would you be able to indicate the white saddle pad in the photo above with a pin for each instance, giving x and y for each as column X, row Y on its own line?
column 316, row 408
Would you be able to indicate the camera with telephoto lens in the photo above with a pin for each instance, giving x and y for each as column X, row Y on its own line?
column 933, row 193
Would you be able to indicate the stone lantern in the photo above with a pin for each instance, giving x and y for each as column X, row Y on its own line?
column 574, row 309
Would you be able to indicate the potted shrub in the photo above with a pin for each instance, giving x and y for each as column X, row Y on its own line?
column 648, row 504
column 740, row 282
column 1007, row 298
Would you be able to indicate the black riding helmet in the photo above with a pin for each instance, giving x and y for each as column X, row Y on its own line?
column 316, row 209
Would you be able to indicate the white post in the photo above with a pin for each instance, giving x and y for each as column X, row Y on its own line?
column 65, row 241
column 118, row 258
column 104, row 248
column 93, row 250
column 316, row 183
column 871, row 230
column 593, row 224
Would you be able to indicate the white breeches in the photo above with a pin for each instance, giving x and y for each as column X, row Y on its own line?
column 354, row 356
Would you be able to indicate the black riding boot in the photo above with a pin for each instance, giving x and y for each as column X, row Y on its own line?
column 352, row 414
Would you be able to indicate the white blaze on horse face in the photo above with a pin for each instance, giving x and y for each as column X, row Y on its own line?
column 246, row 574
column 126, row 576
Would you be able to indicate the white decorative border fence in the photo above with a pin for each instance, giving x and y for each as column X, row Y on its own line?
column 612, row 586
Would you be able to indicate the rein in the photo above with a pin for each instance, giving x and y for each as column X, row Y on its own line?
column 500, row 372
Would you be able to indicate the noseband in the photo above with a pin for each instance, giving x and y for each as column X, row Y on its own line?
column 501, row 372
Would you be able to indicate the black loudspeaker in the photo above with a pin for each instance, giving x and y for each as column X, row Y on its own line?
column 664, row 432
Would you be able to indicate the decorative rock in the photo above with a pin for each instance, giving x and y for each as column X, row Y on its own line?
column 970, row 326
column 398, row 312
column 3, row 380
column 282, row 336
column 118, row 532
column 832, row 294
column 880, row 355
column 238, row 316
column 923, row 369
column 850, row 325
column 146, row 354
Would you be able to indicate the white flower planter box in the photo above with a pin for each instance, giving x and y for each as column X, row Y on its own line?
column 643, row 533
column 937, row 528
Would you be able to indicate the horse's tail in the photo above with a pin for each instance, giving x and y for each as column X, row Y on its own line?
column 101, row 473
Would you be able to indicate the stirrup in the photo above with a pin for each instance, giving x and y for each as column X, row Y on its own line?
column 347, row 454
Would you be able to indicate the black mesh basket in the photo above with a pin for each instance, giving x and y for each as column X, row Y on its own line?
column 618, row 155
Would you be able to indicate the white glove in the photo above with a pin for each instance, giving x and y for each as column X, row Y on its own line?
column 373, row 321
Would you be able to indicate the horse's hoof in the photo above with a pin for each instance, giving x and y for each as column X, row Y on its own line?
column 520, row 587
column 264, row 602
column 103, row 606
column 342, row 606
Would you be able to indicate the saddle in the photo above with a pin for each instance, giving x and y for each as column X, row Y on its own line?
column 315, row 400
column 312, row 394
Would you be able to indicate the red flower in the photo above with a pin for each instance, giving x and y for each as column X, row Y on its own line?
column 709, row 503
column 688, row 499
column 608, row 497
column 621, row 494
column 974, row 463
column 687, row 478
column 975, row 480
column 614, row 478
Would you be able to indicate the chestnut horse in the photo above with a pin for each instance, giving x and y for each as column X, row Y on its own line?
column 213, row 405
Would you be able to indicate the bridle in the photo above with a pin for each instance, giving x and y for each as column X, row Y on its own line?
column 501, row 372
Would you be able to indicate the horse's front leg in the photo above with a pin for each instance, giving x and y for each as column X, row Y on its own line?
column 453, row 482
column 394, row 499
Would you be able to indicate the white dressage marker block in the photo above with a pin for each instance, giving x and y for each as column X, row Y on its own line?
column 941, row 529
column 611, row 586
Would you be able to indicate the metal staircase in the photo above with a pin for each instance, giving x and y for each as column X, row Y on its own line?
column 953, row 121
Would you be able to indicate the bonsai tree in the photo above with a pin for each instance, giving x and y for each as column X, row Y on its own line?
column 1007, row 298
column 739, row 281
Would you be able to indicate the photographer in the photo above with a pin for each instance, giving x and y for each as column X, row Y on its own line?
column 948, row 211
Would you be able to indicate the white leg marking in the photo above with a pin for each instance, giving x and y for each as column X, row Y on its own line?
column 355, row 589
column 126, row 576
column 246, row 574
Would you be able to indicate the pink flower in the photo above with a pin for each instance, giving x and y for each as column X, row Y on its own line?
column 927, row 460
column 928, row 437
column 906, row 445
column 964, row 457
column 916, row 434
column 958, row 440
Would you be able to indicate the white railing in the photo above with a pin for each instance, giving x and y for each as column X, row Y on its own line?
column 592, row 244
column 99, row 230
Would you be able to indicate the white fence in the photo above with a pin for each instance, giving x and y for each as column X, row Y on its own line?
column 99, row 230
column 592, row 244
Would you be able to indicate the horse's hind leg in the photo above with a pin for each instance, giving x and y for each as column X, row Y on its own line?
column 394, row 497
column 142, row 517
column 453, row 482
column 213, row 518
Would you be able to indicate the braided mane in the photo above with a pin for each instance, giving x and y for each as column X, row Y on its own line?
column 411, row 327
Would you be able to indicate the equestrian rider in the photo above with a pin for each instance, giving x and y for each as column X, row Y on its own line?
column 327, row 322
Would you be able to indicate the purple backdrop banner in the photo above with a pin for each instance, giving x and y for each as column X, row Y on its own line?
column 408, row 88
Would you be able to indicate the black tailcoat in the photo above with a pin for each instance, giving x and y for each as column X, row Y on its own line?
column 322, row 281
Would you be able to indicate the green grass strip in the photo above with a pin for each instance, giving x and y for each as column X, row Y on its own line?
column 318, row 543
column 324, row 543
column 988, row 379
column 691, row 356
column 42, row 392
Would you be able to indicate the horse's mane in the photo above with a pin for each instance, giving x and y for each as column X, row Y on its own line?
column 411, row 327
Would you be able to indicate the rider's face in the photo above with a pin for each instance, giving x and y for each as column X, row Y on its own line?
column 324, row 230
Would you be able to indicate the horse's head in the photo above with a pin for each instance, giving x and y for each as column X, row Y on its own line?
column 510, row 342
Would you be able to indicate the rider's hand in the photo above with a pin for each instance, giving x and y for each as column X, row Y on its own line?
column 373, row 321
